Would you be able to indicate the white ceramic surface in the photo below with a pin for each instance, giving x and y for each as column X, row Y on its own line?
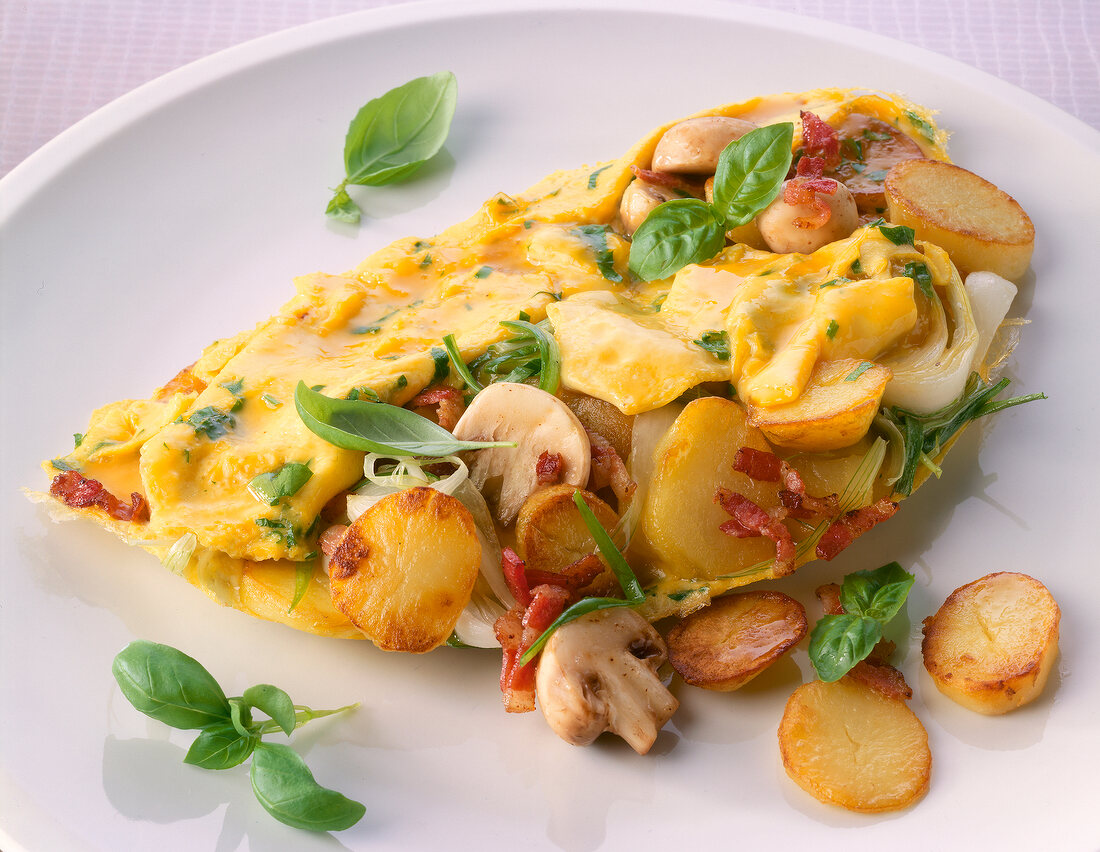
column 180, row 213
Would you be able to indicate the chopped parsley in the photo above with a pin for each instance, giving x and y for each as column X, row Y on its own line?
column 211, row 422
column 484, row 272
column 717, row 343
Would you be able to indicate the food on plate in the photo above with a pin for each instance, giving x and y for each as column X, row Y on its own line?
column 719, row 407
column 727, row 644
column 993, row 643
column 981, row 227
column 855, row 743
column 599, row 673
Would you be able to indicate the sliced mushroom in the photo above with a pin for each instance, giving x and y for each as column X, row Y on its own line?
column 639, row 200
column 539, row 423
column 693, row 146
column 599, row 673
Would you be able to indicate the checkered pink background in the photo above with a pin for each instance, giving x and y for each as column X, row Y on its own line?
column 62, row 59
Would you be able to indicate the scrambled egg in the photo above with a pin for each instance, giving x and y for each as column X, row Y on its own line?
column 194, row 448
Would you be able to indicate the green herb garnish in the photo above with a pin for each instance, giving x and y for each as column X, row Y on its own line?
column 832, row 329
column 717, row 343
column 391, row 136
column 902, row 235
column 858, row 371
column 275, row 485
column 593, row 178
column 211, row 422
column 595, row 237
column 175, row 689
column 926, row 130
column 870, row 600
column 919, row 273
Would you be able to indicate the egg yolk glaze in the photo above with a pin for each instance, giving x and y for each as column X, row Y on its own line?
column 555, row 251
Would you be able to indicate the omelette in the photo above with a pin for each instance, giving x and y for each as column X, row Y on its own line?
column 796, row 354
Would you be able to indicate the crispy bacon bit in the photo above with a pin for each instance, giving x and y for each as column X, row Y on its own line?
column 330, row 539
column 515, row 575
column 79, row 492
column 548, row 468
column 829, row 595
column 183, row 382
column 665, row 179
column 758, row 464
column 749, row 520
column 852, row 525
column 517, row 631
column 572, row 577
column 449, row 404
column 883, row 678
column 608, row 469
column 806, row 187
column 820, row 140
column 768, row 467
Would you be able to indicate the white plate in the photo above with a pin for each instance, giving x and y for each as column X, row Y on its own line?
column 179, row 214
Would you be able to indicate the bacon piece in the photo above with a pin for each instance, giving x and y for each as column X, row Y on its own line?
column 330, row 539
column 548, row 468
column 608, row 469
column 749, row 520
column 829, row 595
column 882, row 677
column 758, row 464
column 572, row 577
column 806, row 188
column 515, row 575
column 449, row 402
column 665, row 179
column 768, row 467
column 819, row 140
column 79, row 492
column 517, row 631
column 846, row 529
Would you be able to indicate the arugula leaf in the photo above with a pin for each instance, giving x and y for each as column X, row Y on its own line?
column 274, row 485
column 170, row 686
column 751, row 171
column 288, row 791
column 717, row 343
column 595, row 236
column 674, row 234
column 393, row 135
column 375, row 427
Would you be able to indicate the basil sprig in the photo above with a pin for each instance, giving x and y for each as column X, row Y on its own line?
column 924, row 435
column 391, row 136
column 870, row 600
column 619, row 567
column 376, row 427
column 163, row 682
column 750, row 173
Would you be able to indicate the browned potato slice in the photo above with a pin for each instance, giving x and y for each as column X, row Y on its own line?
column 680, row 519
column 981, row 227
column 848, row 744
column 832, row 411
column 550, row 533
column 267, row 590
column 602, row 417
column 869, row 147
column 993, row 643
column 405, row 569
column 727, row 644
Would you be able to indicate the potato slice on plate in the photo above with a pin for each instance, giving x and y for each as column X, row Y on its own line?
column 981, row 227
column 993, row 643
column 834, row 411
column 730, row 642
column 849, row 744
column 405, row 569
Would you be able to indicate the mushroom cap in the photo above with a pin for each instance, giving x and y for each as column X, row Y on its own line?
column 599, row 673
column 538, row 422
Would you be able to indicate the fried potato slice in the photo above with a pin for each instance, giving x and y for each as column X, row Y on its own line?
column 405, row 569
column 680, row 520
column 551, row 535
column 601, row 417
column 981, row 227
column 727, row 644
column 993, row 643
column 834, row 411
column 849, row 744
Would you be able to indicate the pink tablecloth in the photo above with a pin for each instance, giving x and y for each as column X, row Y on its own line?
column 62, row 59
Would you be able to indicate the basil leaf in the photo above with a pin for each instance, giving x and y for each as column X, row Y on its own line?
column 273, row 486
column 274, row 702
column 878, row 594
column 377, row 427
column 303, row 575
column 240, row 714
column 220, row 747
column 170, row 686
column 595, row 236
column 391, row 136
column 341, row 207
column 838, row 642
column 287, row 790
column 751, row 171
column 902, row 235
column 717, row 343
column 674, row 234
